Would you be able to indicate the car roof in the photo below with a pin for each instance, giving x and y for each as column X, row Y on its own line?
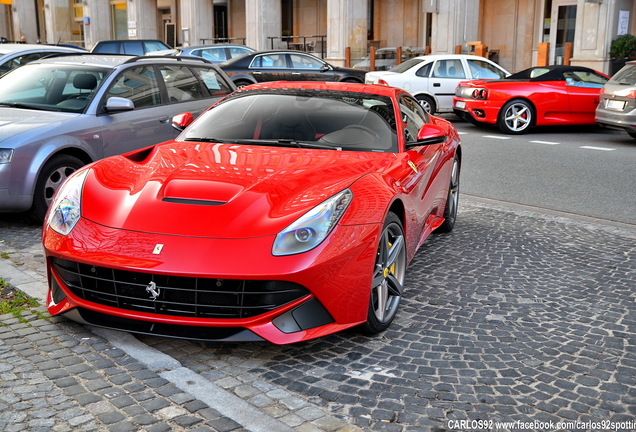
column 114, row 60
column 219, row 45
column 11, row 48
column 376, row 89
column 555, row 72
column 451, row 56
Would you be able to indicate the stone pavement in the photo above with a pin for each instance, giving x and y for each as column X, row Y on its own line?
column 520, row 315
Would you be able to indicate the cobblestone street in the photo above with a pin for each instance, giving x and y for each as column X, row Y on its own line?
column 514, row 316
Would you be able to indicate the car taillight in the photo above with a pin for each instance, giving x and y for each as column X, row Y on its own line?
column 480, row 93
column 381, row 81
column 632, row 94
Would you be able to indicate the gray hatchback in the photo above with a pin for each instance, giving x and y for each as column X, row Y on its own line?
column 617, row 106
column 57, row 115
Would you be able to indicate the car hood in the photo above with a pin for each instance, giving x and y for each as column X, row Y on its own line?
column 14, row 121
column 218, row 190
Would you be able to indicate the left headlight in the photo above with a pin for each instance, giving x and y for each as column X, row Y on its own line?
column 65, row 209
column 313, row 227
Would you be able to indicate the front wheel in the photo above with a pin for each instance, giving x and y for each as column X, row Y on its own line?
column 516, row 117
column 387, row 283
column 53, row 174
column 243, row 83
column 452, row 200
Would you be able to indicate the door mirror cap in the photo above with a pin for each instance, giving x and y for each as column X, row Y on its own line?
column 182, row 121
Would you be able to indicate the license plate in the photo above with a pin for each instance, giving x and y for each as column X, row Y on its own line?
column 460, row 104
column 614, row 104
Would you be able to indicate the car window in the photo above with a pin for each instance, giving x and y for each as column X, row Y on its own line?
column 154, row 46
column 584, row 79
column 424, row 71
column 213, row 54
column 134, row 48
column 481, row 69
column 271, row 61
column 627, row 75
column 213, row 81
column 448, row 69
column 237, row 51
column 403, row 67
column 19, row 61
column 107, row 47
column 181, row 83
column 300, row 61
column 413, row 117
column 139, row 85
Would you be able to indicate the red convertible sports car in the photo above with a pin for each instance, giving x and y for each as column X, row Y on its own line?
column 285, row 212
column 539, row 96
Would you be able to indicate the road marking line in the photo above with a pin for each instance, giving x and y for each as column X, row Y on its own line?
column 496, row 137
column 597, row 148
column 462, row 133
column 545, row 142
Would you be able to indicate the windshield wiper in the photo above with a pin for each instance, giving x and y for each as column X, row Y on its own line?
column 283, row 142
column 27, row 106
column 210, row 140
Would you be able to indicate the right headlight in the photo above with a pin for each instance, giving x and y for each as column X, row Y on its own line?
column 5, row 155
column 65, row 209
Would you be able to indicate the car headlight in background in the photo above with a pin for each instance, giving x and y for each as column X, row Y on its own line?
column 65, row 209
column 5, row 155
column 313, row 227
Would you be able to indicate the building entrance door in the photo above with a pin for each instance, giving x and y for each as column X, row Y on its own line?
column 562, row 25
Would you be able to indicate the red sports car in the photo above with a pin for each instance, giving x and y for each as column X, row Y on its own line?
column 539, row 96
column 285, row 212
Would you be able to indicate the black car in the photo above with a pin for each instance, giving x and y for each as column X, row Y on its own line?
column 129, row 47
column 283, row 65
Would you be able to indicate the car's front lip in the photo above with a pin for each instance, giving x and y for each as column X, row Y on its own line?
column 337, row 274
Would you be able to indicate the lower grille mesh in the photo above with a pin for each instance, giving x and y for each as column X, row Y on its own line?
column 175, row 295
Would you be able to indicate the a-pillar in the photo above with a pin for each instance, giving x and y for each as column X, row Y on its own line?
column 262, row 22
column 347, row 26
column 197, row 22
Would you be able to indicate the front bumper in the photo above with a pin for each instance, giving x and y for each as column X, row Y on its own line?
column 335, row 280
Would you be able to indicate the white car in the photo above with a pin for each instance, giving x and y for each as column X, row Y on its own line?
column 432, row 79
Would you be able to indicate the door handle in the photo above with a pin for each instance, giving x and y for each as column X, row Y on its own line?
column 437, row 84
column 164, row 119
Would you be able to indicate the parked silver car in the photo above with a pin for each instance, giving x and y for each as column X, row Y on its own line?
column 617, row 105
column 217, row 53
column 13, row 55
column 57, row 115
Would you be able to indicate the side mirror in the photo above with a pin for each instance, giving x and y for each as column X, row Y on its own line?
column 429, row 134
column 182, row 121
column 325, row 68
column 118, row 104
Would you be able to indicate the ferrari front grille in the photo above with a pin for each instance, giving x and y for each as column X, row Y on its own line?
column 175, row 295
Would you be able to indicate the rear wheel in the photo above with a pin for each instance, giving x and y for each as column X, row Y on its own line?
column 243, row 83
column 53, row 174
column 427, row 103
column 516, row 117
column 387, row 283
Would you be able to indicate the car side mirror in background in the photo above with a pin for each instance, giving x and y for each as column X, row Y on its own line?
column 182, row 121
column 429, row 134
column 118, row 104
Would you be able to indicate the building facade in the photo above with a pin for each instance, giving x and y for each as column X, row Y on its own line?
column 512, row 30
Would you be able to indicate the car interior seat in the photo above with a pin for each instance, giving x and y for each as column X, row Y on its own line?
column 288, row 123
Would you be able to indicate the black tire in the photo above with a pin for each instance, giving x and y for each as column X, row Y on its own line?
column 427, row 103
column 243, row 83
column 387, row 283
column 516, row 117
column 452, row 200
column 53, row 174
column 631, row 133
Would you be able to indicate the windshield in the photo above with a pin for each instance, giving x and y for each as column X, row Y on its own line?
column 302, row 118
column 51, row 87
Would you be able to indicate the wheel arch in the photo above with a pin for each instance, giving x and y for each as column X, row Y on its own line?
column 68, row 151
